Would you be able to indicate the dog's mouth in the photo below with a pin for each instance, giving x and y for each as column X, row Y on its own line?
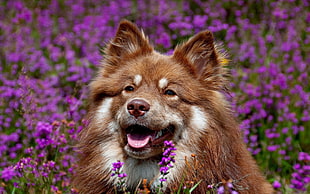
column 139, row 137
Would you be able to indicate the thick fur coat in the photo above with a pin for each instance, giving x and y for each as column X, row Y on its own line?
column 140, row 98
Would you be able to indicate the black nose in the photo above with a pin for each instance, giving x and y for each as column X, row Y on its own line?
column 138, row 107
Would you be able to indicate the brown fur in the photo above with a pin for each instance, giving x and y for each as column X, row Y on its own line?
column 199, row 79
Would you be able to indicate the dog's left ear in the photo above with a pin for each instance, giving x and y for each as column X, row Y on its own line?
column 200, row 56
column 128, row 41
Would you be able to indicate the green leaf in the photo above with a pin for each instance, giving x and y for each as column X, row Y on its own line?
column 194, row 187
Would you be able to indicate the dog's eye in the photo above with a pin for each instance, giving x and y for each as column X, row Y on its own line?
column 129, row 88
column 170, row 93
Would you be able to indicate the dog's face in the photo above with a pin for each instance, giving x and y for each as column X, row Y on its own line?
column 151, row 104
column 146, row 98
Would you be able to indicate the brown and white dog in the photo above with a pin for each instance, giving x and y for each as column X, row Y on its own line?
column 140, row 98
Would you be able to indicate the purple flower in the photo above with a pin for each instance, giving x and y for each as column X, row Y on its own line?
column 168, row 156
column 164, row 170
column 54, row 188
column 303, row 156
column 272, row 148
column 199, row 21
column 43, row 129
column 164, row 40
column 122, row 175
column 221, row 190
column 166, row 162
column 116, row 170
column 276, row 184
column 300, row 178
column 117, row 165
column 8, row 173
column 16, row 185
column 162, row 180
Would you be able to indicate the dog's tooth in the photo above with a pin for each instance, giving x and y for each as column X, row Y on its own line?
column 159, row 134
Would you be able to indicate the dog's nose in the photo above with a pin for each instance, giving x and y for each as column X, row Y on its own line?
column 138, row 107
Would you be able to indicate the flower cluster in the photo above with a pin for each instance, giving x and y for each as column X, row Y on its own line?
column 117, row 170
column 230, row 189
column 48, row 165
column 166, row 162
column 276, row 184
column 301, row 176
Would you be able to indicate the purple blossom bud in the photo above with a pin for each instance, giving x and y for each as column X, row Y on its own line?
column 122, row 175
column 276, row 184
column 164, row 169
column 221, row 190
column 8, row 173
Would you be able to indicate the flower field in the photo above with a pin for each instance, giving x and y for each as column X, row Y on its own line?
column 50, row 50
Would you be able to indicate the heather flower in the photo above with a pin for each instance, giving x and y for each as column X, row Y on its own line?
column 272, row 148
column 55, row 189
column 221, row 190
column 303, row 156
column 300, row 178
column 166, row 163
column 164, row 40
column 210, row 186
column 276, row 184
column 117, row 171
column 117, row 167
column 228, row 189
column 8, row 173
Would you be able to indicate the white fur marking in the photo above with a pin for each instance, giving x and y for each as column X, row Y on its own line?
column 163, row 83
column 113, row 126
column 183, row 151
column 199, row 119
column 174, row 97
column 137, row 80
column 104, row 109
column 138, row 170
column 111, row 153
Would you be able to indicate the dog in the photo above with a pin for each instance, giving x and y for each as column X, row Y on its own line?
column 141, row 98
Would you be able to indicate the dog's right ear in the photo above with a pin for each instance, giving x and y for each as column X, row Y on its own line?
column 129, row 41
column 201, row 57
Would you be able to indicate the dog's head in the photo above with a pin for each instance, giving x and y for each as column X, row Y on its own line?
column 142, row 98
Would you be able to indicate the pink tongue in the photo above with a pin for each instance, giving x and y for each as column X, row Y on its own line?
column 138, row 141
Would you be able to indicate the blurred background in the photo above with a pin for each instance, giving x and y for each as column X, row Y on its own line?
column 50, row 50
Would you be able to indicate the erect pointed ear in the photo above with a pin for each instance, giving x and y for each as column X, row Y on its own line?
column 200, row 56
column 127, row 41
